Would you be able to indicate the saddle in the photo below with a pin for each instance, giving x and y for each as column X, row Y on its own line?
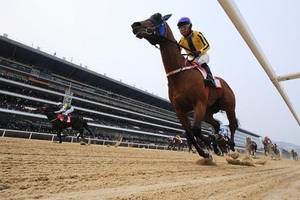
column 61, row 118
column 204, row 74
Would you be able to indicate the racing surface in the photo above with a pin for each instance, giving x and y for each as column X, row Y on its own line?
column 33, row 169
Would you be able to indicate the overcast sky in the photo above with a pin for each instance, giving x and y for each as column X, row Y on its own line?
column 97, row 34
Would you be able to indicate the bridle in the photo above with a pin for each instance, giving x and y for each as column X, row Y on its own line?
column 160, row 29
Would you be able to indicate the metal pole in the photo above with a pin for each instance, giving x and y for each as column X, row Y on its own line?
column 237, row 19
column 288, row 77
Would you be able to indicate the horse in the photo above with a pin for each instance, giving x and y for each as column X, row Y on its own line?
column 294, row 154
column 221, row 142
column 76, row 123
column 276, row 150
column 187, row 90
column 269, row 147
column 175, row 143
column 251, row 147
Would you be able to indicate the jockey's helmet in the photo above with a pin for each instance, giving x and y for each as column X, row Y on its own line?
column 184, row 21
column 266, row 138
column 248, row 138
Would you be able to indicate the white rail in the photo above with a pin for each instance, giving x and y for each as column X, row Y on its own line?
column 237, row 19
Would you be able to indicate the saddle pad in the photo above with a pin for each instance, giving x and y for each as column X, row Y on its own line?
column 217, row 80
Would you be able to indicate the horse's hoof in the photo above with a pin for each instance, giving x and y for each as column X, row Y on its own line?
column 234, row 154
column 207, row 156
column 210, row 156
column 217, row 152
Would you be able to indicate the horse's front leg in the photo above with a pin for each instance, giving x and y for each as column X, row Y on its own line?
column 189, row 144
column 199, row 111
column 184, row 120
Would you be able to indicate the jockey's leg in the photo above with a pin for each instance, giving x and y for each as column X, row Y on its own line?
column 209, row 79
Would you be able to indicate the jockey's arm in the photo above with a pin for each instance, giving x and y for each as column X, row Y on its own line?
column 59, row 111
column 69, row 110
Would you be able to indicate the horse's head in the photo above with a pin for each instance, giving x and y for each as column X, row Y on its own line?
column 42, row 110
column 152, row 29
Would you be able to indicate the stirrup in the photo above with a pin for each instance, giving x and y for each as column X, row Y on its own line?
column 210, row 83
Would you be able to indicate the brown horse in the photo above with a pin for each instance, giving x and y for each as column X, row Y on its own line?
column 294, row 154
column 187, row 91
column 175, row 143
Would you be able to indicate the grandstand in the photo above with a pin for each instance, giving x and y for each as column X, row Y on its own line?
column 30, row 78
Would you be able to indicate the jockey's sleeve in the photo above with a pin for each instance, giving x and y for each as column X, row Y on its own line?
column 59, row 111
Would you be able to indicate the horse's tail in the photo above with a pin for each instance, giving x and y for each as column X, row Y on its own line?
column 237, row 123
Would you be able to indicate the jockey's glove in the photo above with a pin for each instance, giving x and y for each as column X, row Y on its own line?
column 196, row 53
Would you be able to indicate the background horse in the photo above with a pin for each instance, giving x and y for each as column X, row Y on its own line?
column 76, row 123
column 175, row 143
column 251, row 148
column 294, row 154
column 269, row 148
column 220, row 144
column 187, row 91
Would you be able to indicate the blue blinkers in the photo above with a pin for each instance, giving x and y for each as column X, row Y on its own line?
column 159, row 23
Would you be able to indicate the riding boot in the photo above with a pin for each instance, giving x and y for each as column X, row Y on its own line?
column 209, row 78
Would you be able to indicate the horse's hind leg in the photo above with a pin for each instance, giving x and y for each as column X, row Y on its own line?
column 87, row 128
column 233, row 125
column 208, row 118
column 59, row 136
column 80, row 135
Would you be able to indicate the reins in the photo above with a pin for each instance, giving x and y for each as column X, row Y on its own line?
column 184, row 67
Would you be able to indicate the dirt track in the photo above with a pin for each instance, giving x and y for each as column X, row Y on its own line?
column 32, row 169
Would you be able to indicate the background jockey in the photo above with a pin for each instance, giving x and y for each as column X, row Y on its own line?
column 248, row 139
column 178, row 138
column 171, row 137
column 65, row 109
column 266, row 140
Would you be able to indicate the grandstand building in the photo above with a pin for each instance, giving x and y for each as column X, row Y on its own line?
column 30, row 78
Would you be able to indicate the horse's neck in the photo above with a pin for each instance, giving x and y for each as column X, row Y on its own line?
column 171, row 56
column 51, row 116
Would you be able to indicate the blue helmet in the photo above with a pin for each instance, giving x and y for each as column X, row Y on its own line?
column 183, row 20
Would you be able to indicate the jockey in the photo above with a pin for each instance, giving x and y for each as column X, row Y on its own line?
column 223, row 133
column 267, row 140
column 248, row 139
column 65, row 109
column 178, row 138
column 196, row 45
